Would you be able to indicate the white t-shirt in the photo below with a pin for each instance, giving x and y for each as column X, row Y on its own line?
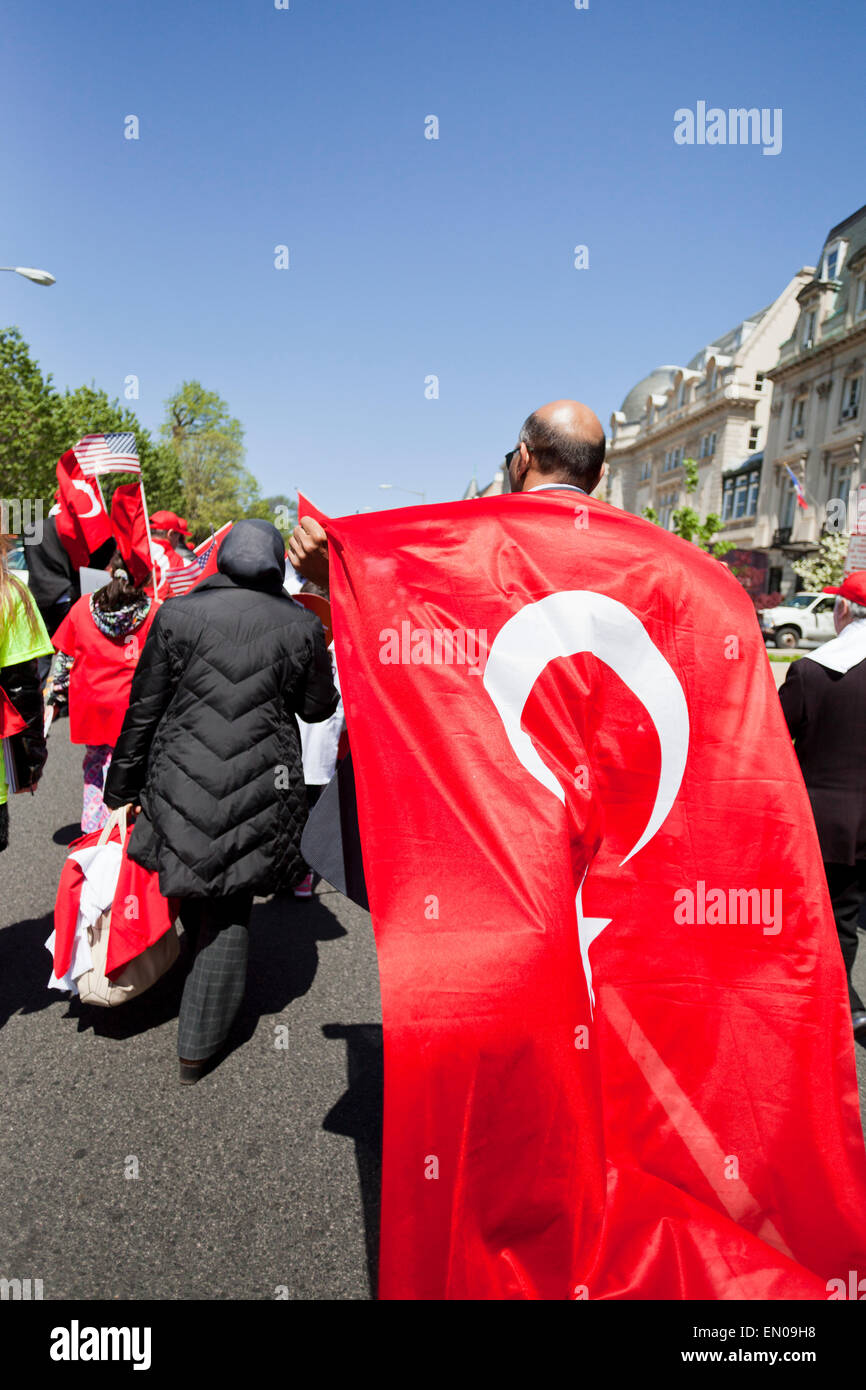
column 319, row 742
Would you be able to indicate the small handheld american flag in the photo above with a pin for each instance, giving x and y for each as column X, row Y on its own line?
column 180, row 581
column 107, row 453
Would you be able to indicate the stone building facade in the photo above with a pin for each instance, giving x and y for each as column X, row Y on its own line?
column 818, row 417
column 716, row 410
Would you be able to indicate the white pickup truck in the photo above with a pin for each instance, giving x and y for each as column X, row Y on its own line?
column 804, row 618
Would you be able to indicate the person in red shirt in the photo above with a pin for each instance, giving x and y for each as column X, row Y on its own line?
column 100, row 641
column 169, row 536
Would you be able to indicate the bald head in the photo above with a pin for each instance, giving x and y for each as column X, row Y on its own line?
column 561, row 443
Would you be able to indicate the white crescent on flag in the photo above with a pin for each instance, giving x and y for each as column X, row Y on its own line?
column 87, row 488
column 566, row 624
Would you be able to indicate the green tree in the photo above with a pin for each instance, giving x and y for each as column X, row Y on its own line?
column 827, row 567
column 207, row 442
column 28, row 422
column 687, row 522
column 88, row 410
column 38, row 424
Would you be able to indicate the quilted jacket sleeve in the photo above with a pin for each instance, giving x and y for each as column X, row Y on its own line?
column 316, row 696
column 152, row 688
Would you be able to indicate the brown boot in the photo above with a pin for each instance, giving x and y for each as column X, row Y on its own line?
column 190, row 1071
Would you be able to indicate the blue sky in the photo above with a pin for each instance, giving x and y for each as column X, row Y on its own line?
column 409, row 257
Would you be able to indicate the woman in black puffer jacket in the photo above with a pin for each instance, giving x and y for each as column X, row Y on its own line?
column 210, row 751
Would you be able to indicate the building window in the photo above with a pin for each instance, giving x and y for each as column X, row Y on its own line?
column 666, row 504
column 798, row 418
column 711, row 444
column 809, row 321
column 833, row 260
column 851, row 397
column 787, row 503
column 645, row 470
column 754, row 434
column 741, row 496
column 861, row 301
column 840, row 482
column 759, row 381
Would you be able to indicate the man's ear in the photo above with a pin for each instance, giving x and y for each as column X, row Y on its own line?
column 520, row 464
column 599, row 478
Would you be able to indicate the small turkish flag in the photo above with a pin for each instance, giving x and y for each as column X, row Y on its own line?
column 129, row 520
column 83, row 524
column 11, row 721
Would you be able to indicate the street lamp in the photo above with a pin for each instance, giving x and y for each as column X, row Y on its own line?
column 411, row 492
column 39, row 277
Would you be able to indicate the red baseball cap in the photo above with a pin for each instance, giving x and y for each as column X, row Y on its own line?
column 169, row 521
column 853, row 587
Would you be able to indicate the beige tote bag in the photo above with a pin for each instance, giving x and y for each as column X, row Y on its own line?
column 94, row 986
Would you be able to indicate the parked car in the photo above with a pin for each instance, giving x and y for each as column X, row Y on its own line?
column 17, row 561
column 805, row 617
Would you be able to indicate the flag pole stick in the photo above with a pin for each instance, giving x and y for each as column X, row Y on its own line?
column 155, row 572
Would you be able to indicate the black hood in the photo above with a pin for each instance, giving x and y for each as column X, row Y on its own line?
column 253, row 555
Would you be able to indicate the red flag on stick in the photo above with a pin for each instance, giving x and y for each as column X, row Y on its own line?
column 129, row 520
column 82, row 522
column 618, row 1047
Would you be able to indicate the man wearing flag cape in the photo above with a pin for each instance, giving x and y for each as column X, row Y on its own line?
column 591, row 1091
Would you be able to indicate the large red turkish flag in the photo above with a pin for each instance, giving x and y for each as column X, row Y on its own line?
column 82, row 522
column 618, row 1048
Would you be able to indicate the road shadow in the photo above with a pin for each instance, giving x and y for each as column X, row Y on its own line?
column 358, row 1116
column 67, row 833
column 284, row 958
column 25, row 968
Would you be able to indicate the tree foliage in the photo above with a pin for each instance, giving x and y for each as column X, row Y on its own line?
column 827, row 567
column 196, row 468
column 687, row 522
column 39, row 423
column 207, row 442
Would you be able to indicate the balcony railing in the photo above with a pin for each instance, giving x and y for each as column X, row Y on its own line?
column 781, row 536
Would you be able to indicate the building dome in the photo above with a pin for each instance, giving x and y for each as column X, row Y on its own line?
column 655, row 384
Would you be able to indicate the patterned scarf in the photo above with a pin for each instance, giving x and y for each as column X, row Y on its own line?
column 123, row 620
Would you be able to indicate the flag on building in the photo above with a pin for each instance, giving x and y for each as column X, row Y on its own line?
column 618, row 1049
column 798, row 487
column 82, row 522
column 107, row 453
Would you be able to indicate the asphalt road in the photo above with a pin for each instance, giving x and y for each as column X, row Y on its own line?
column 260, row 1181
column 263, row 1177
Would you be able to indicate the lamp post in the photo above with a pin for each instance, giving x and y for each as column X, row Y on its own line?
column 39, row 277
column 411, row 492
